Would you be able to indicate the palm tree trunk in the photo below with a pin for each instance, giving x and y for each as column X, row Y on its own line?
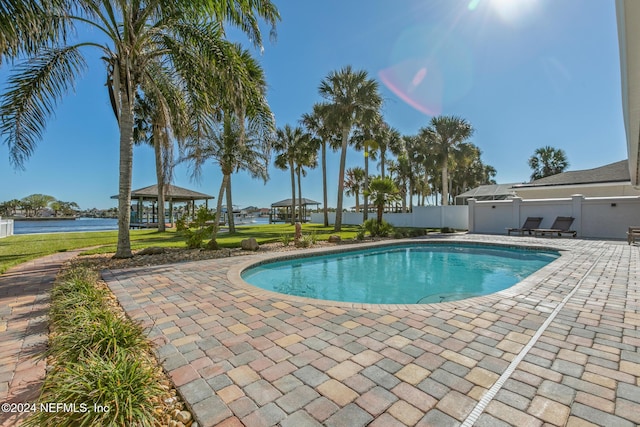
column 343, row 160
column 160, row 179
column 357, row 194
column 445, row 182
column 324, row 184
column 300, row 193
column 382, row 161
column 365, row 214
column 123, row 249
column 218, row 217
column 232, row 224
column 293, row 192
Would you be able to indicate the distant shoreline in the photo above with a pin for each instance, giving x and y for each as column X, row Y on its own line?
column 48, row 218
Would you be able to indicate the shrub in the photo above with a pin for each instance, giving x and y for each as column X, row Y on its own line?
column 378, row 230
column 306, row 240
column 417, row 232
column 399, row 234
column 361, row 232
column 181, row 225
column 447, row 230
column 285, row 239
column 195, row 238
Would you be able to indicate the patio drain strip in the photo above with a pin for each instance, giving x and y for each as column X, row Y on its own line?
column 490, row 394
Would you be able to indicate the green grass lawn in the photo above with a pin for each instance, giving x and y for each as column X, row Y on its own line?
column 21, row 248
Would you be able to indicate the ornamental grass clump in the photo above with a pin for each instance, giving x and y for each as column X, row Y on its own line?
column 100, row 332
column 100, row 367
column 118, row 391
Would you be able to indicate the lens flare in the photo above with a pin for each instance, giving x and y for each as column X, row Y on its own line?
column 407, row 81
column 430, row 68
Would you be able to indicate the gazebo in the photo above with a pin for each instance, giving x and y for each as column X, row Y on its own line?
column 172, row 194
column 277, row 214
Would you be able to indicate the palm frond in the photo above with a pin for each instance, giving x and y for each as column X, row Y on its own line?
column 34, row 91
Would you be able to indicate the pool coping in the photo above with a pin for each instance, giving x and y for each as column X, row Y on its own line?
column 234, row 274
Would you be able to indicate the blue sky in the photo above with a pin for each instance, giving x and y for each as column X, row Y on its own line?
column 524, row 73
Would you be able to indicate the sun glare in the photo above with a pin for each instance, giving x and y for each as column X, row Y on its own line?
column 514, row 12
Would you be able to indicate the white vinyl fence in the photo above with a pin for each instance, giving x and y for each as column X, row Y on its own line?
column 422, row 216
column 595, row 217
column 6, row 227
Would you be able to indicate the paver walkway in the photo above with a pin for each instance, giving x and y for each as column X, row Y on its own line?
column 561, row 348
column 24, row 304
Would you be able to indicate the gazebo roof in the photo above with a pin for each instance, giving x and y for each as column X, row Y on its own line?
column 287, row 202
column 172, row 192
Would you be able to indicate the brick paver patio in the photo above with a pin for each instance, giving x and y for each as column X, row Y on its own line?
column 24, row 331
column 559, row 349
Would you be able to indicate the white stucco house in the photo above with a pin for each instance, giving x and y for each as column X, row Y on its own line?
column 610, row 180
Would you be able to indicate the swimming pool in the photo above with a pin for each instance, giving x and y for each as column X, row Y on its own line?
column 401, row 274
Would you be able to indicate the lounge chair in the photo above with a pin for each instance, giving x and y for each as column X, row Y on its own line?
column 531, row 223
column 560, row 226
column 633, row 234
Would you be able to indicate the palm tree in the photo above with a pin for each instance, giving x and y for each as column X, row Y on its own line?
column 306, row 155
column 152, row 126
column 547, row 161
column 187, row 37
column 288, row 142
column 363, row 139
column 239, row 135
column 388, row 139
column 354, row 184
column 351, row 97
column 222, row 145
column 444, row 134
column 316, row 124
column 382, row 191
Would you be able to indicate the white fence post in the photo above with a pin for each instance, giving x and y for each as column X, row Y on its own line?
column 472, row 214
column 576, row 209
column 515, row 212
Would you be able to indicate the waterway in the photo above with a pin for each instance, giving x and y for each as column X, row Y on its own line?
column 64, row 226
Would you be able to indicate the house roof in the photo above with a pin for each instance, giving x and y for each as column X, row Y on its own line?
column 172, row 192
column 489, row 191
column 614, row 172
column 627, row 14
column 287, row 202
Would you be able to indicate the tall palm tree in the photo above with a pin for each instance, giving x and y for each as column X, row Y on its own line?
column 288, row 142
column 222, row 145
column 351, row 97
column 156, row 115
column 414, row 154
column 547, row 161
column 444, row 134
column 354, row 184
column 186, row 36
column 317, row 125
column 306, row 156
column 363, row 139
column 238, row 136
column 388, row 140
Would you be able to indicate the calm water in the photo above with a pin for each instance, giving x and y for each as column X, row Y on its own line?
column 80, row 224
column 63, row 226
column 401, row 274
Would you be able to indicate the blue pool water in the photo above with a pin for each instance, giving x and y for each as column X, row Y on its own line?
column 407, row 274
